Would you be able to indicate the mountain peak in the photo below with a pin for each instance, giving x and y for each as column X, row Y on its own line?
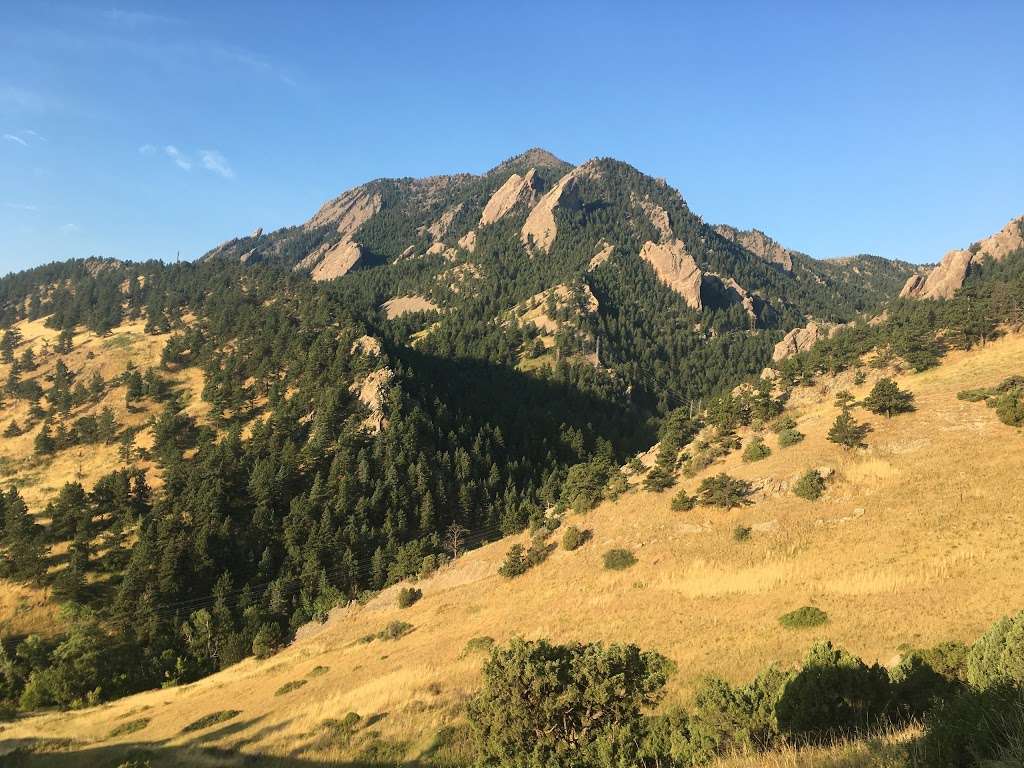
column 535, row 157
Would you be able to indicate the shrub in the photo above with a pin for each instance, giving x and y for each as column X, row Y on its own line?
column 515, row 563
column 544, row 704
column 682, row 502
column 756, row 450
column 395, row 630
column 211, row 719
column 782, row 423
column 741, row 533
column 318, row 670
column 833, row 696
column 974, row 728
column 538, row 551
column 618, row 559
column 132, row 726
column 342, row 730
column 810, row 486
column 294, row 685
column 886, row 398
column 1010, row 410
column 408, row 595
column 482, row 644
column 998, row 655
column 788, row 437
column 804, row 618
column 659, row 478
column 267, row 640
column 844, row 399
column 573, row 538
column 724, row 491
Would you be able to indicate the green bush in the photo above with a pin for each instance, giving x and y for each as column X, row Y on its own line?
column 683, row 502
column 974, row 728
column 132, row 726
column 294, row 685
column 810, row 486
column 408, row 595
column 998, row 655
column 482, row 644
column 618, row 559
column 318, row 670
column 788, row 437
column 515, row 563
column 573, row 538
column 395, row 630
column 804, row 618
column 724, row 491
column 268, row 639
column 565, row 705
column 756, row 450
column 782, row 423
column 211, row 719
column 741, row 533
column 833, row 696
column 887, row 399
column 847, row 432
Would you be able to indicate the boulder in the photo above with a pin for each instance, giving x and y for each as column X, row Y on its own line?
column 802, row 339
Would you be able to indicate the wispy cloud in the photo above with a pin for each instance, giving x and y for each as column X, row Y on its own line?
column 215, row 162
column 136, row 18
column 21, row 207
column 15, row 139
column 147, row 149
column 180, row 158
column 29, row 132
column 69, row 229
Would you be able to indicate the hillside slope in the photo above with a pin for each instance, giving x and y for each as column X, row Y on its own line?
column 915, row 542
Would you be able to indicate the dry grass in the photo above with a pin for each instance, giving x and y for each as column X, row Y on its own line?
column 934, row 555
column 38, row 479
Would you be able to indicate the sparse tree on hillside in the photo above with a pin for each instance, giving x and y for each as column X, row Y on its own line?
column 847, row 432
column 888, row 399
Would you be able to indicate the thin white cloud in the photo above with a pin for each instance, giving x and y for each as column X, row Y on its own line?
column 215, row 162
column 136, row 18
column 21, row 207
column 32, row 134
column 147, row 149
column 69, row 229
column 181, row 159
column 15, row 139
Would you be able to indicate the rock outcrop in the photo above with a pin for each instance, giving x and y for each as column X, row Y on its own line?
column 658, row 217
column 759, row 244
column 946, row 279
column 676, row 268
column 603, row 254
column 540, row 229
column 468, row 241
column 347, row 212
column 801, row 339
column 440, row 227
column 516, row 189
column 330, row 261
column 403, row 305
column 371, row 393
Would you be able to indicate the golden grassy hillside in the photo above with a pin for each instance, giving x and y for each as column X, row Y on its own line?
column 25, row 609
column 916, row 541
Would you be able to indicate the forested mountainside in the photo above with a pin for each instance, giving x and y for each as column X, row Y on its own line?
column 810, row 508
column 344, row 443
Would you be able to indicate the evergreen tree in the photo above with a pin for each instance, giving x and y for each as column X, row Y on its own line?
column 845, row 431
column 886, row 398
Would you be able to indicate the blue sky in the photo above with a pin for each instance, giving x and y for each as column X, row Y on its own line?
column 138, row 130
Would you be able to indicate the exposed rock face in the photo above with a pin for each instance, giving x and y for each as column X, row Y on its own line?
column 540, row 228
column 801, row 339
column 534, row 309
column 347, row 212
column 759, row 244
column 742, row 294
column 676, row 268
column 440, row 227
column 371, row 394
column 517, row 189
column 329, row 262
column 604, row 253
column 366, row 345
column 947, row 278
column 402, row 305
column 659, row 218
column 468, row 240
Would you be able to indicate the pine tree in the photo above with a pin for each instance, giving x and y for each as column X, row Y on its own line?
column 847, row 432
column 888, row 399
